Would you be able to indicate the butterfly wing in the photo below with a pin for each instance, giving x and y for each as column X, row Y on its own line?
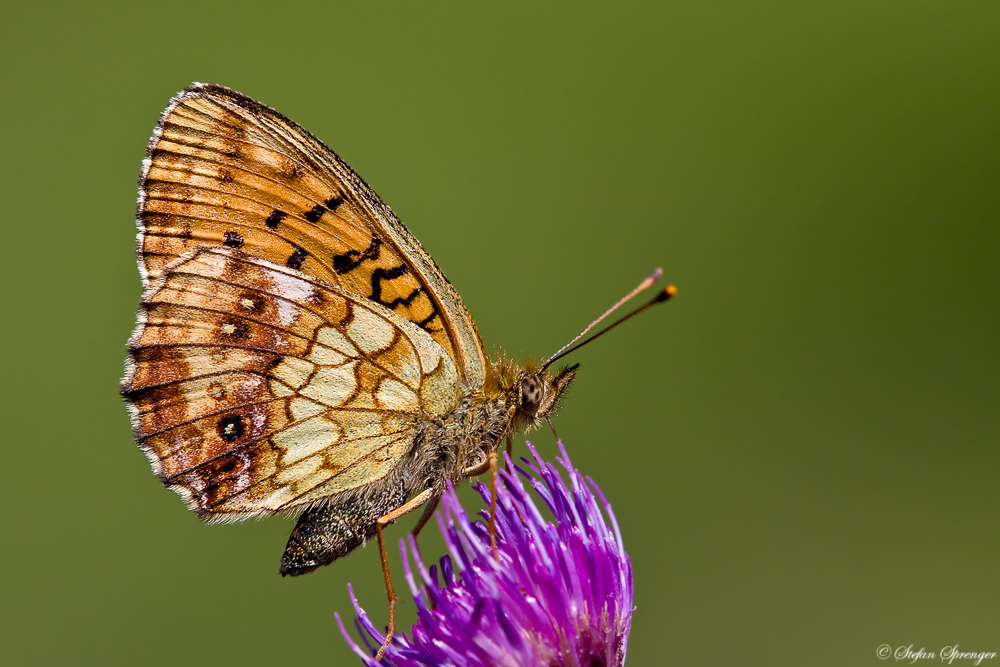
column 225, row 170
column 255, row 389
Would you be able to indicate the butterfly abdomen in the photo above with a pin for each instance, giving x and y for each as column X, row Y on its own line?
column 328, row 532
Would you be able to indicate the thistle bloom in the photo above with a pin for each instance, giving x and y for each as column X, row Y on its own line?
column 560, row 595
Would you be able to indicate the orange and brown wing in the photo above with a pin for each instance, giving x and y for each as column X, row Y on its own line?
column 255, row 389
column 225, row 170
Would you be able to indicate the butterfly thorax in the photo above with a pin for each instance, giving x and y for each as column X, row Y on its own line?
column 515, row 397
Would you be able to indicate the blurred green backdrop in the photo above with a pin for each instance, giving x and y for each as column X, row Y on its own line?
column 802, row 448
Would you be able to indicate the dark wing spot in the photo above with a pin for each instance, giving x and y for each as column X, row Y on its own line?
column 230, row 428
column 352, row 259
column 333, row 202
column 233, row 240
column 315, row 213
column 249, row 301
column 235, row 329
column 275, row 217
column 186, row 233
column 295, row 261
column 225, row 176
column 425, row 323
column 378, row 275
column 405, row 301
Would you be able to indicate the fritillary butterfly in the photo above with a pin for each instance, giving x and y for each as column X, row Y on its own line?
column 297, row 350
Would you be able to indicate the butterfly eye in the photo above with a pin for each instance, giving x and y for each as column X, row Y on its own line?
column 532, row 391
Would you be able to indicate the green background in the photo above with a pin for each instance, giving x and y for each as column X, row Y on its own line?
column 802, row 448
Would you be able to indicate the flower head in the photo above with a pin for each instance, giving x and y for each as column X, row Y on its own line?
column 561, row 593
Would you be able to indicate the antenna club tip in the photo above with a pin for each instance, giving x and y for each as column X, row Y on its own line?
column 667, row 292
column 656, row 275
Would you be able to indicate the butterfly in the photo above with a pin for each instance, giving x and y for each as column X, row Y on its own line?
column 296, row 350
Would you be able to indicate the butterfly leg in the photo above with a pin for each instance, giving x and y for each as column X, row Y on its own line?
column 493, row 505
column 489, row 464
column 382, row 522
column 424, row 518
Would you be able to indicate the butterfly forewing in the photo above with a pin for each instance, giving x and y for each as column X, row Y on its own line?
column 224, row 170
column 255, row 389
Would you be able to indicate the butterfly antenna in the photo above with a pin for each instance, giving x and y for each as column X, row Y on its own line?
column 664, row 294
column 650, row 279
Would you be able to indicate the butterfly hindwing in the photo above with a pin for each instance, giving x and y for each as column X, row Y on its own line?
column 224, row 170
column 256, row 389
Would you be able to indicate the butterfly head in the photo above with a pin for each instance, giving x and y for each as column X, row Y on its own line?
column 539, row 393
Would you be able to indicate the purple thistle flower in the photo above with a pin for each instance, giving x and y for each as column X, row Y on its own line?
column 561, row 594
